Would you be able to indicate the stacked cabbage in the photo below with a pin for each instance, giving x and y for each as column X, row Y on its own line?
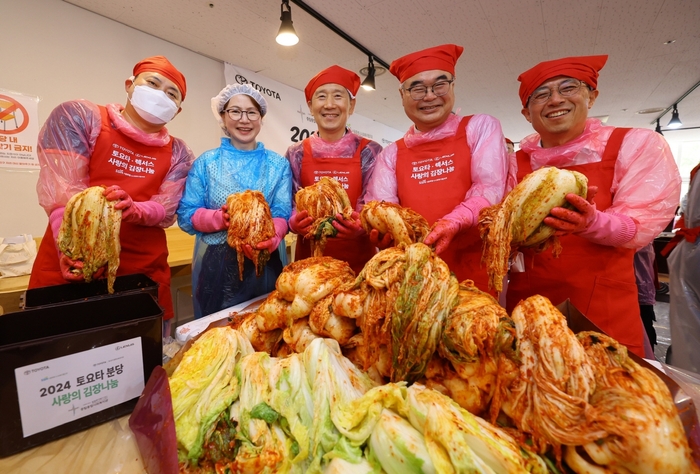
column 316, row 412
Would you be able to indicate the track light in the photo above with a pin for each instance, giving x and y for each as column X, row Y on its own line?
column 368, row 83
column 658, row 127
column 286, row 36
column 675, row 121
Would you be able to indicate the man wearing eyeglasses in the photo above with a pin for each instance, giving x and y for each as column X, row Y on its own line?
column 446, row 167
column 636, row 185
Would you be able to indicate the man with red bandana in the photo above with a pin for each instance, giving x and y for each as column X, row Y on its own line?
column 336, row 152
column 633, row 191
column 77, row 149
column 446, row 167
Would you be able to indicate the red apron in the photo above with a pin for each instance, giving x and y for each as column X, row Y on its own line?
column 348, row 171
column 598, row 279
column 432, row 178
column 139, row 170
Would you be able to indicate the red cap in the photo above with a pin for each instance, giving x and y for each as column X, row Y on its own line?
column 583, row 68
column 333, row 75
column 508, row 140
column 160, row 64
column 442, row 57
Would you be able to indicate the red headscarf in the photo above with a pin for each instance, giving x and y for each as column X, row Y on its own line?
column 333, row 75
column 442, row 57
column 160, row 64
column 583, row 68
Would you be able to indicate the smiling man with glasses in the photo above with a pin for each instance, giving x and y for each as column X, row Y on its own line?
column 446, row 167
column 636, row 185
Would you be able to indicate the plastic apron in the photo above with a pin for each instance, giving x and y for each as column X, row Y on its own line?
column 348, row 171
column 684, row 276
column 598, row 279
column 139, row 170
column 432, row 178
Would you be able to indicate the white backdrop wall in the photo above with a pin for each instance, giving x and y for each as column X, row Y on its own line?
column 60, row 52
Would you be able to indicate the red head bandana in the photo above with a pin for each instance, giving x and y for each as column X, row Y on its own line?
column 583, row 68
column 442, row 58
column 160, row 64
column 333, row 75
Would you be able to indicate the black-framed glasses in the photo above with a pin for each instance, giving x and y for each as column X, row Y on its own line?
column 236, row 114
column 440, row 88
column 567, row 88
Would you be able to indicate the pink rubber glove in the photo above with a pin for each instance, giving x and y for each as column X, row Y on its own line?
column 55, row 220
column 348, row 228
column 300, row 222
column 567, row 221
column 610, row 229
column 441, row 235
column 146, row 213
column 280, row 231
column 381, row 242
column 210, row 220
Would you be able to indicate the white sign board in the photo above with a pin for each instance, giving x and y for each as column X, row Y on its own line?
column 19, row 130
column 56, row 391
column 288, row 119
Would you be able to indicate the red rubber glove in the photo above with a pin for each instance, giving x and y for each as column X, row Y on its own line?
column 280, row 231
column 115, row 193
column 567, row 221
column 381, row 242
column 300, row 222
column 441, row 235
column 68, row 266
column 348, row 228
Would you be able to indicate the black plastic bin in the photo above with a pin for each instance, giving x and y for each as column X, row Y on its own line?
column 47, row 333
column 59, row 294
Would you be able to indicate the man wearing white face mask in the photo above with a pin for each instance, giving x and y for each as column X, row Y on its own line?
column 129, row 151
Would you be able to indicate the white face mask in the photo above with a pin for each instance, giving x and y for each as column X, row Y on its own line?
column 153, row 105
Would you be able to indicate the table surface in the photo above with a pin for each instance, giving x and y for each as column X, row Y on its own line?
column 180, row 248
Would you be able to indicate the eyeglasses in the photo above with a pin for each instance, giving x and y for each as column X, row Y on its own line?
column 567, row 88
column 440, row 88
column 235, row 114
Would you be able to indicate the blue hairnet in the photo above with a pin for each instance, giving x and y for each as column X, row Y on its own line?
column 219, row 102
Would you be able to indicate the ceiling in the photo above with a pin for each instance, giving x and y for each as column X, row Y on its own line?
column 502, row 38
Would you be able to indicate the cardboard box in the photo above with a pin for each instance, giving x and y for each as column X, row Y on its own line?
column 60, row 294
column 67, row 367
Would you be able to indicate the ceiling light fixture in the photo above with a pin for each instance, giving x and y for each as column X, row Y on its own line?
column 675, row 121
column 373, row 57
column 368, row 83
column 658, row 127
column 286, row 36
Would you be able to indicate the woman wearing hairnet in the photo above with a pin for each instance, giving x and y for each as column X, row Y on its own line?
column 241, row 163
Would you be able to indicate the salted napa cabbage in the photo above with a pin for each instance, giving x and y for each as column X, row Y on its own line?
column 251, row 223
column 405, row 225
column 399, row 447
column 334, row 380
column 90, row 233
column 635, row 408
column 323, row 200
column 461, row 442
column 427, row 294
column 518, row 220
column 204, row 384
